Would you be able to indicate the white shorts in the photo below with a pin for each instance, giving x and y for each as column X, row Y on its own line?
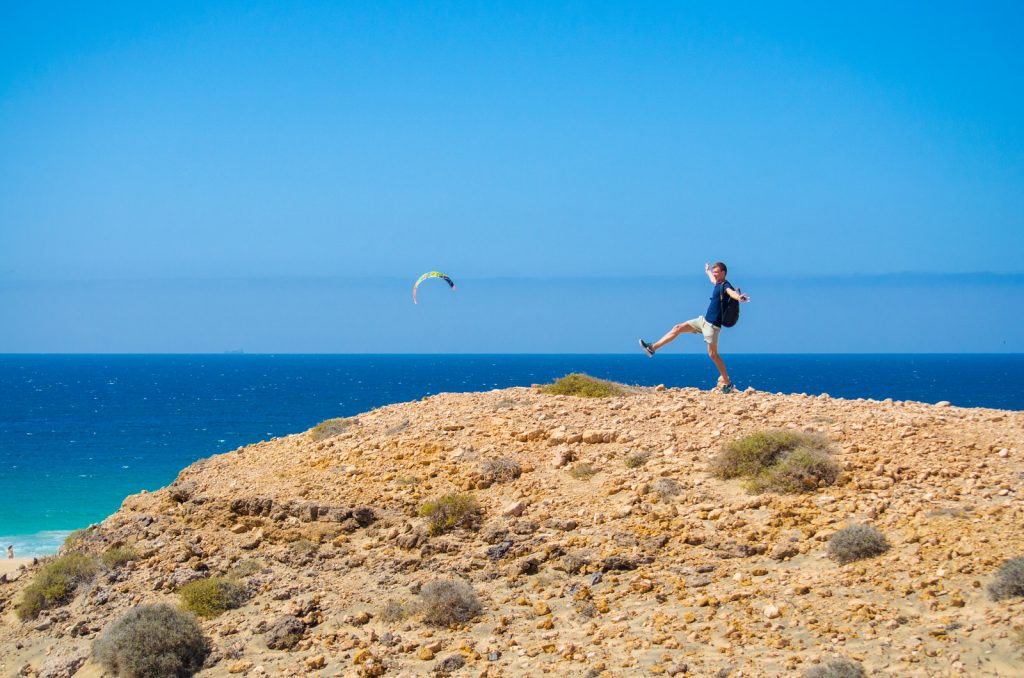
column 709, row 331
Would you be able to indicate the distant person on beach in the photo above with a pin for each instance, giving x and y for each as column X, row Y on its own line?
column 10, row 552
column 709, row 324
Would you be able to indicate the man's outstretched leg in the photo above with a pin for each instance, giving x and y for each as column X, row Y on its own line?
column 676, row 330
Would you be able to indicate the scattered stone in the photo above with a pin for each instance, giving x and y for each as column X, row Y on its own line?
column 449, row 664
column 285, row 633
column 64, row 662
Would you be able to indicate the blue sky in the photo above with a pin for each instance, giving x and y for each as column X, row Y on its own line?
column 208, row 176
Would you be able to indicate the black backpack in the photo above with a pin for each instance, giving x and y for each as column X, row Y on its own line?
column 729, row 308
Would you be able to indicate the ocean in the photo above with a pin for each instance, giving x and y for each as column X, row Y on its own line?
column 80, row 432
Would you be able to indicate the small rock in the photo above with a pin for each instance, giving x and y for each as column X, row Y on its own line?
column 450, row 663
column 784, row 550
column 516, row 508
column 772, row 612
column 285, row 633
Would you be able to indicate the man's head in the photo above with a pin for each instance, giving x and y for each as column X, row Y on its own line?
column 719, row 270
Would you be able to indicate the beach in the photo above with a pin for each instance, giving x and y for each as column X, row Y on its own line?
column 10, row 565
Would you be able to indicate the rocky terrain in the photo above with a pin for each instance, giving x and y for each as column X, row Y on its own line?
column 614, row 553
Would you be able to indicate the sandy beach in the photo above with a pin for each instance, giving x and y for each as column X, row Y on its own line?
column 12, row 564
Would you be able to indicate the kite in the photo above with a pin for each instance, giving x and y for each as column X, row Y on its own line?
column 431, row 274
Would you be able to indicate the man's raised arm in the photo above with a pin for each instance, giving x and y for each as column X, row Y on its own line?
column 735, row 294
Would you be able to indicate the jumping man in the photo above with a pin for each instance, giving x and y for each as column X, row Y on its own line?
column 709, row 324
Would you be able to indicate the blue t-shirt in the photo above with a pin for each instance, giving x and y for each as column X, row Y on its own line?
column 714, row 313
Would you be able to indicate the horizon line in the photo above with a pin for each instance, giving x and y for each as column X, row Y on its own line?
column 913, row 276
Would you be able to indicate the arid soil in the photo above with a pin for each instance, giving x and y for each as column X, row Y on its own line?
column 615, row 553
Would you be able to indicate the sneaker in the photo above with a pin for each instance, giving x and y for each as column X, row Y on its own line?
column 728, row 388
column 648, row 349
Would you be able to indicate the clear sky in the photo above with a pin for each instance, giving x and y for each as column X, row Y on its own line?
column 195, row 176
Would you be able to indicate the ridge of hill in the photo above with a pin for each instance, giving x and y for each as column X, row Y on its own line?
column 602, row 546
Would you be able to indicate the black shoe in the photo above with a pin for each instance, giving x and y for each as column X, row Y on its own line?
column 648, row 349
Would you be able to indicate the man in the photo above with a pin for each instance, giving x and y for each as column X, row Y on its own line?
column 709, row 324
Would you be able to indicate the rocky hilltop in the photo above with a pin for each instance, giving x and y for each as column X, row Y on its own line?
column 593, row 535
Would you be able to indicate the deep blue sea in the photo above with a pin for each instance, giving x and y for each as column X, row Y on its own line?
column 80, row 432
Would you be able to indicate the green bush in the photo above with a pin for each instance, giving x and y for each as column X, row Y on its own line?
column 777, row 461
column 856, row 543
column 837, row 668
column 451, row 511
column 153, row 641
column 1009, row 582
column 799, row 471
column 330, row 428
column 116, row 556
column 585, row 386
column 750, row 455
column 500, row 470
column 55, row 584
column 211, row 597
column 444, row 602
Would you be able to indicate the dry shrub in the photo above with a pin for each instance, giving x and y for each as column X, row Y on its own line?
column 1009, row 582
column 667, row 488
column 637, row 459
column 116, row 556
column 393, row 611
column 837, row 668
column 244, row 568
column 330, row 428
column 397, row 428
column 583, row 471
column 153, row 641
column 585, row 386
column 856, row 543
column 777, row 461
column 55, row 584
column 444, row 602
column 451, row 511
column 500, row 470
column 211, row 597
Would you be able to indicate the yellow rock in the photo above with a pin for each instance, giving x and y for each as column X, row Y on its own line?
column 425, row 653
column 361, row 656
column 540, row 607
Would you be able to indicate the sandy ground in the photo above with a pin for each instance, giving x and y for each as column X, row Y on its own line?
column 12, row 564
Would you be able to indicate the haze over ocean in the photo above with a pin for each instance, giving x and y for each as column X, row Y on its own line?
column 79, row 433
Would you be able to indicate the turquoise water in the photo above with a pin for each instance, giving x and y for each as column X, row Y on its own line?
column 79, row 433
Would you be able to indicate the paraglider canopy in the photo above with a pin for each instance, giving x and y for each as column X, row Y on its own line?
column 431, row 274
